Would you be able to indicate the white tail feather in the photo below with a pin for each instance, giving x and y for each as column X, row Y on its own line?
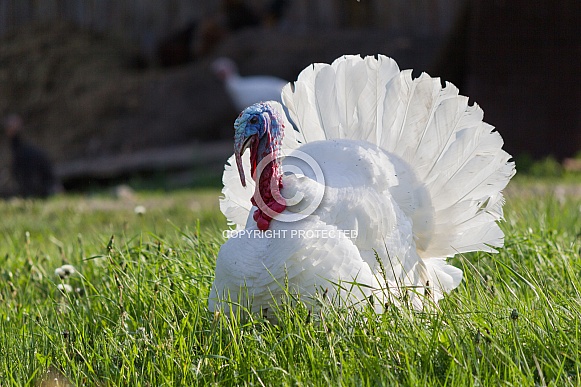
column 235, row 204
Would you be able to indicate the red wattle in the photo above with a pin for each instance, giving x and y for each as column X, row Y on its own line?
column 276, row 206
column 270, row 195
column 269, row 182
column 263, row 224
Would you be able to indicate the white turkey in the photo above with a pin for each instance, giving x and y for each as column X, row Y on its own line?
column 245, row 91
column 386, row 177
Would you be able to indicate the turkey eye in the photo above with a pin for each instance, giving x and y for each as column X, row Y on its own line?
column 254, row 120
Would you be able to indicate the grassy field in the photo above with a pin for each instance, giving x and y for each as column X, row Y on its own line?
column 134, row 312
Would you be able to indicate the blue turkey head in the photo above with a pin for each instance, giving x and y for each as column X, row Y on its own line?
column 257, row 128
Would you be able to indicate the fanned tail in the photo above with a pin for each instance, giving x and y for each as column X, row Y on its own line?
column 341, row 100
column 455, row 156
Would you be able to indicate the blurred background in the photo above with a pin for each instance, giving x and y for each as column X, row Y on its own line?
column 114, row 91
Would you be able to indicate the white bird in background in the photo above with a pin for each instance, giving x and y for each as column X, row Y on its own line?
column 389, row 176
column 245, row 91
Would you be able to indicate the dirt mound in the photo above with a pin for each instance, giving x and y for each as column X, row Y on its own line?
column 58, row 76
column 81, row 96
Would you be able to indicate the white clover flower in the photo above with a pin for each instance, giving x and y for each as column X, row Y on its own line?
column 65, row 288
column 140, row 210
column 64, row 271
column 59, row 272
column 68, row 269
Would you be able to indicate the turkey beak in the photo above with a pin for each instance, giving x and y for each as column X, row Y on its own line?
column 239, row 148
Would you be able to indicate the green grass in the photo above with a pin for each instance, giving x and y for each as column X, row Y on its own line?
column 137, row 313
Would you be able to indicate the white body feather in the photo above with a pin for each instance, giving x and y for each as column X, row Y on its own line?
column 412, row 176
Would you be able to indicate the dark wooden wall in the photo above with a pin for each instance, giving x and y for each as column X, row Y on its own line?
column 523, row 66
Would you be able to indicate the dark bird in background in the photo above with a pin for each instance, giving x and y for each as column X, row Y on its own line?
column 239, row 15
column 199, row 38
column 31, row 168
column 275, row 12
column 176, row 48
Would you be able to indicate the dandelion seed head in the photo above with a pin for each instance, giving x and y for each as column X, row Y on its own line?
column 64, row 271
column 59, row 272
column 65, row 288
column 68, row 269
